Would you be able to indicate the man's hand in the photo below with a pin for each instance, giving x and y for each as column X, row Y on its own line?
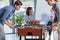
column 54, row 26
column 8, row 22
column 59, row 23
column 31, row 22
column 12, row 26
column 36, row 22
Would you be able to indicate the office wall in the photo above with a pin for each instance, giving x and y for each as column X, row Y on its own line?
column 42, row 10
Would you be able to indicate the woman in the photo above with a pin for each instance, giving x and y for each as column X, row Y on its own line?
column 29, row 17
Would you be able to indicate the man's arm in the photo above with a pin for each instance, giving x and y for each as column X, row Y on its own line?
column 57, row 10
column 8, row 22
column 5, row 18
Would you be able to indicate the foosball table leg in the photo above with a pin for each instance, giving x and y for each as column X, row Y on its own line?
column 20, row 38
column 25, row 37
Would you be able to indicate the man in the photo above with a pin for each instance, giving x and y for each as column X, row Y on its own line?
column 5, row 13
column 56, row 7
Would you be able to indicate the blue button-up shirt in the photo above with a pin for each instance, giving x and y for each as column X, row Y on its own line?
column 5, row 13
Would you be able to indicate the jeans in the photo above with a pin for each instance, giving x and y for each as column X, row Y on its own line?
column 2, row 33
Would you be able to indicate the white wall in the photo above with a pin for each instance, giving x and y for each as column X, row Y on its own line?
column 42, row 8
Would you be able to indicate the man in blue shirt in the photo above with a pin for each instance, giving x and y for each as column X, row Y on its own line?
column 5, row 13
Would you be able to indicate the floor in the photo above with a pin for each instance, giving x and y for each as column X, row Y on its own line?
column 12, row 37
column 54, row 36
column 15, row 37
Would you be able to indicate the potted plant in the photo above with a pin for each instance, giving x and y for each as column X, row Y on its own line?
column 19, row 20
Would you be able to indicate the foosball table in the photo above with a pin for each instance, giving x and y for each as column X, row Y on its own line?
column 30, row 31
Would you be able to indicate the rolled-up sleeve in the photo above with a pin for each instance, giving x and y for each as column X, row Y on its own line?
column 11, row 13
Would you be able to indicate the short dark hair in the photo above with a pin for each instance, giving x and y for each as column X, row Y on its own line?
column 17, row 3
column 27, row 11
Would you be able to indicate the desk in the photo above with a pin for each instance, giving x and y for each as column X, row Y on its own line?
column 30, row 32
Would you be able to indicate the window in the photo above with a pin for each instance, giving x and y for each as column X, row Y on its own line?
column 28, row 3
column 27, row 0
column 4, row 3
